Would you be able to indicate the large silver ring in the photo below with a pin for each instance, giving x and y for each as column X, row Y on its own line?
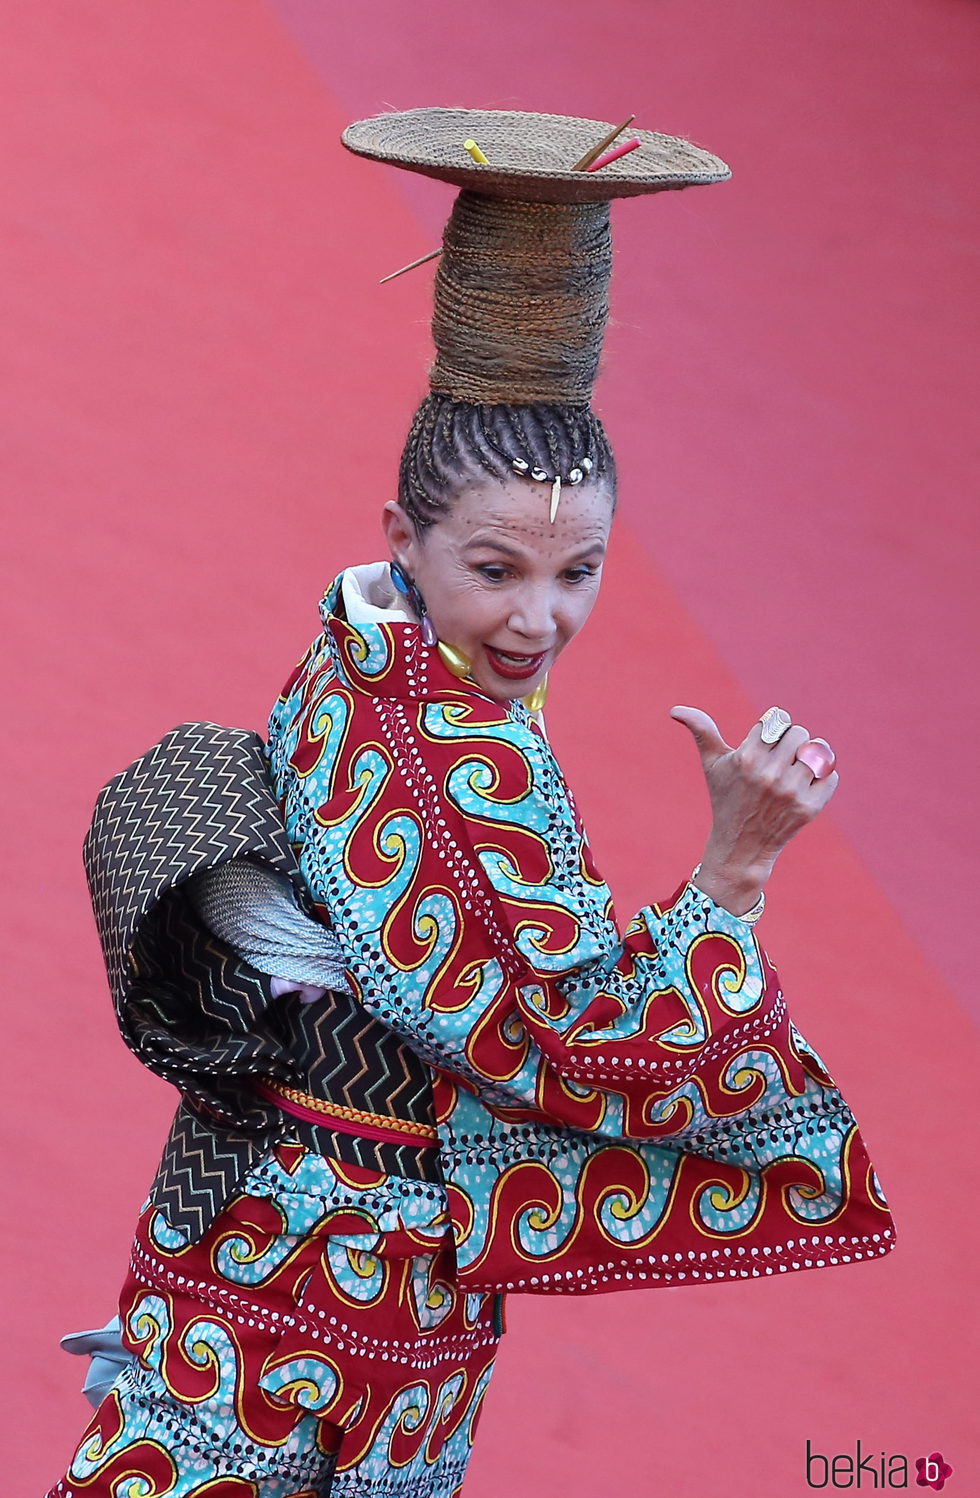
column 775, row 722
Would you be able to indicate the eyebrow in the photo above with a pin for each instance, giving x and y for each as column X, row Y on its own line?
column 588, row 548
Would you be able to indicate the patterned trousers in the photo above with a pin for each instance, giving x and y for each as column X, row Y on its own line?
column 270, row 1365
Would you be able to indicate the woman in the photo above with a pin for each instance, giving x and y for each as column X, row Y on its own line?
column 420, row 1065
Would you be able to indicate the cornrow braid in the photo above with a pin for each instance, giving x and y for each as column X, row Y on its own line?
column 450, row 442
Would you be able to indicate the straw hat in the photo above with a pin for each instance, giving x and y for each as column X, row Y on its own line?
column 530, row 156
column 521, row 294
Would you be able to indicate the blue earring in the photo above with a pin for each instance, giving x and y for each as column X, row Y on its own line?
column 403, row 584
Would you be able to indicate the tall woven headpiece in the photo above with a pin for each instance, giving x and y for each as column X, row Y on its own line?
column 522, row 289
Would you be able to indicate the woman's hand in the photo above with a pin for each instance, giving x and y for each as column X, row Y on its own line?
column 761, row 796
column 309, row 993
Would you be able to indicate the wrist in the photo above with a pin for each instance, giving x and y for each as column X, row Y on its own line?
column 741, row 894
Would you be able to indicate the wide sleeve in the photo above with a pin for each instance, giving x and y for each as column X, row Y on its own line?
column 189, row 1007
column 440, row 840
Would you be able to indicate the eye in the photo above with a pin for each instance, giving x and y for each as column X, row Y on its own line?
column 493, row 572
column 579, row 574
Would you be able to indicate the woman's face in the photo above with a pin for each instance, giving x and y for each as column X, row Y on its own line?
column 501, row 582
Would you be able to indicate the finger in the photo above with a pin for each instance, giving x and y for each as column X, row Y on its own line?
column 770, row 728
column 818, row 792
column 704, row 730
column 828, row 786
column 818, row 756
column 784, row 753
column 813, row 759
column 754, row 736
column 798, row 779
column 771, row 760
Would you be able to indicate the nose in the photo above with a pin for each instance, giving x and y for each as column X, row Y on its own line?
column 533, row 615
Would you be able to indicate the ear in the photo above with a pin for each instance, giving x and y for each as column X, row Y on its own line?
column 401, row 536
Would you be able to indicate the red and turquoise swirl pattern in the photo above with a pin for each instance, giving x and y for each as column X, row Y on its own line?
column 268, row 1358
column 613, row 1108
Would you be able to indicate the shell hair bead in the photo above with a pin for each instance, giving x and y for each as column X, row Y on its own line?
column 576, row 474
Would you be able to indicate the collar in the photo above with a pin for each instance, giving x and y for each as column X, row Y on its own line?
column 376, row 645
column 369, row 596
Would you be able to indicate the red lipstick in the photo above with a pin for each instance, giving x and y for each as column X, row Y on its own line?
column 515, row 670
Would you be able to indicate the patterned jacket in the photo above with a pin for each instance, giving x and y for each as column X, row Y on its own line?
column 612, row 1110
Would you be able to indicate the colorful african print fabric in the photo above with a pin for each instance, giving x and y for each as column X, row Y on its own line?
column 613, row 1110
column 294, row 1352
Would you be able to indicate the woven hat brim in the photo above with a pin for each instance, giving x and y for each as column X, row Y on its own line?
column 530, row 156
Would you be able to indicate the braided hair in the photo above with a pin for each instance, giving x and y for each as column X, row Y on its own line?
column 451, row 442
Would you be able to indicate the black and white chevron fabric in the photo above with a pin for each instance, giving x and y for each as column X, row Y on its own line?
column 353, row 1060
column 199, row 797
column 195, row 1012
column 201, row 1166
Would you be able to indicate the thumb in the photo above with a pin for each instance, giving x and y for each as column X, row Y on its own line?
column 704, row 730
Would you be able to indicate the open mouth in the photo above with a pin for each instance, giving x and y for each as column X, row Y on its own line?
column 515, row 667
